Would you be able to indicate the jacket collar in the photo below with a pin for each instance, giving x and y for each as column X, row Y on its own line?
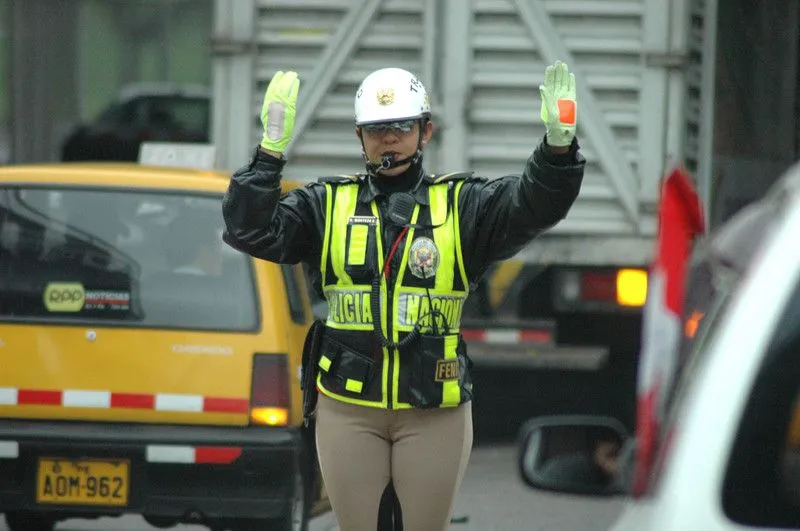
column 420, row 191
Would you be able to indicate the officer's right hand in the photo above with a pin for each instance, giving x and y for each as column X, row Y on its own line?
column 559, row 106
column 278, row 111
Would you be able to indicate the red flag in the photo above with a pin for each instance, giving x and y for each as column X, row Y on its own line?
column 680, row 219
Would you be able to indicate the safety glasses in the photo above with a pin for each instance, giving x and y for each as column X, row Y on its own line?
column 399, row 127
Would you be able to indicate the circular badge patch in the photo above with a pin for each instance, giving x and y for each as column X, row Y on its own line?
column 423, row 258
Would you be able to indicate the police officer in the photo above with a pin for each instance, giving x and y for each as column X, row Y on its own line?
column 395, row 251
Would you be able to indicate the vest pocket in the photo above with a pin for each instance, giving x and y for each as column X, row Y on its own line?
column 345, row 369
column 439, row 372
column 361, row 251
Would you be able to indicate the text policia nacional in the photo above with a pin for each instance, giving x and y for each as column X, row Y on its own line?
column 353, row 308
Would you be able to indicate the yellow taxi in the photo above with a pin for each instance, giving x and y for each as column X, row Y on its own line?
column 145, row 366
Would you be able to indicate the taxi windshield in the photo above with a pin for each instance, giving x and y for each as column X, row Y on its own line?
column 121, row 257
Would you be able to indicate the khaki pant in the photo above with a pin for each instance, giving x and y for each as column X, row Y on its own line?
column 422, row 452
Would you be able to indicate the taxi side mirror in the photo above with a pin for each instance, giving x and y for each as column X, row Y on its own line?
column 574, row 454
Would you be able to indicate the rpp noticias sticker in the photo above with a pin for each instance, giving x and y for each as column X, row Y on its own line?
column 64, row 297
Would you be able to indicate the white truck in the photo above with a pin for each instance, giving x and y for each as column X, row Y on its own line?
column 573, row 298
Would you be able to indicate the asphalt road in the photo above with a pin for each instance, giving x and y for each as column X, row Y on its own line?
column 492, row 498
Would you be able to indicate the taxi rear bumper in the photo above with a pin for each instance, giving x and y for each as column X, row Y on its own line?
column 187, row 473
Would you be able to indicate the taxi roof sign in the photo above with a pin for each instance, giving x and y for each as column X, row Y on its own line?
column 178, row 155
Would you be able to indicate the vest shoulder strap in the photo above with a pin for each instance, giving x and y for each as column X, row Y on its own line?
column 342, row 179
column 450, row 177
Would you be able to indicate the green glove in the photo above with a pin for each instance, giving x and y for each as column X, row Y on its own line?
column 278, row 110
column 559, row 106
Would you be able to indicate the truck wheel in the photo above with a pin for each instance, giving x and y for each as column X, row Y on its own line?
column 296, row 519
column 27, row 521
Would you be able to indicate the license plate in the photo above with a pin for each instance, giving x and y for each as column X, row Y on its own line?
column 83, row 482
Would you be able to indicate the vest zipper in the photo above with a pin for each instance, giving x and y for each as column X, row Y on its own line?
column 389, row 329
column 388, row 309
column 396, row 282
column 391, row 280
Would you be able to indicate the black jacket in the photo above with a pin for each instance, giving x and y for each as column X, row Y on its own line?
column 497, row 217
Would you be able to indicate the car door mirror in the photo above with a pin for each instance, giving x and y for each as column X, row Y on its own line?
column 573, row 454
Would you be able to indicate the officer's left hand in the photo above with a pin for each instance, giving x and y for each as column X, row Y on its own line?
column 559, row 105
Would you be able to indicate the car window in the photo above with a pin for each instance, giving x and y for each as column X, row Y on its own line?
column 190, row 115
column 709, row 289
column 121, row 257
column 133, row 112
column 762, row 477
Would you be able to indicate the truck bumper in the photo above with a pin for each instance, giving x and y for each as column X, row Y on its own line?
column 570, row 358
column 189, row 473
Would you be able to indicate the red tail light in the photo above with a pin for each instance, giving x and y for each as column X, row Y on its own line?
column 269, row 395
column 625, row 287
column 599, row 286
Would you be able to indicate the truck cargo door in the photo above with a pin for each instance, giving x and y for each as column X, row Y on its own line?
column 482, row 62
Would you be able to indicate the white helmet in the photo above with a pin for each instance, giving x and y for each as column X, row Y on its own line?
column 391, row 94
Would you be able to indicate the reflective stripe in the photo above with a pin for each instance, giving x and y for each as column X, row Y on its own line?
column 443, row 236
column 192, row 403
column 216, row 455
column 98, row 399
column 80, row 398
column 169, row 454
column 357, row 253
column 200, row 455
column 8, row 396
column 354, row 386
column 508, row 336
column 9, row 449
column 350, row 306
column 451, row 391
column 357, row 401
column 566, row 111
column 343, row 208
column 414, row 306
column 38, row 397
column 133, row 400
column 225, row 405
column 325, row 363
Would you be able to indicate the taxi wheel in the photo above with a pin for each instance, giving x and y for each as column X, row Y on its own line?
column 27, row 521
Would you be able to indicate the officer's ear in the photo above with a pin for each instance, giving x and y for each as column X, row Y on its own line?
column 427, row 132
column 358, row 132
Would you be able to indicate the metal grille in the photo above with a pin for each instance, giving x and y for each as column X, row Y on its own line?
column 333, row 45
column 602, row 41
column 694, row 80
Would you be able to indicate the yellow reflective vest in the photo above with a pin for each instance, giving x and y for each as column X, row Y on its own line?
column 427, row 293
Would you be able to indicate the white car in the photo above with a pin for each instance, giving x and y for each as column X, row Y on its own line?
column 731, row 456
